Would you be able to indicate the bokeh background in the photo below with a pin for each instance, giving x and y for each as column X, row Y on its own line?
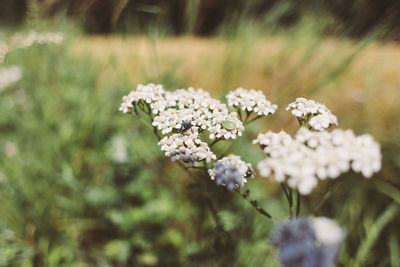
column 82, row 184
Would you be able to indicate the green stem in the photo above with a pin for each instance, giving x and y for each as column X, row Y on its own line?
column 253, row 119
column 321, row 202
column 285, row 191
column 291, row 202
column 239, row 111
column 156, row 133
column 228, row 148
column 254, row 203
column 214, row 142
column 247, row 116
column 325, row 196
column 298, row 199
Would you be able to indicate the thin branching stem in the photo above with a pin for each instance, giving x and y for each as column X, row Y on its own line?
column 214, row 142
column 285, row 191
column 239, row 111
column 209, row 201
column 325, row 196
column 253, row 119
column 254, row 203
column 247, row 116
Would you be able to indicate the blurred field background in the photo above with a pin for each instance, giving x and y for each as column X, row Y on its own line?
column 82, row 184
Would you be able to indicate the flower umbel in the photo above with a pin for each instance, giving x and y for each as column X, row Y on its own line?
column 231, row 172
column 251, row 100
column 187, row 148
column 316, row 115
column 311, row 155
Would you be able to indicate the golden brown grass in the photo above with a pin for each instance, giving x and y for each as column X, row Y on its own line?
column 361, row 84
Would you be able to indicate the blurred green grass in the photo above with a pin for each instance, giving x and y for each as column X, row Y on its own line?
column 70, row 199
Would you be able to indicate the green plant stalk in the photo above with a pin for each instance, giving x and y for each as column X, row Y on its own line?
column 253, row 119
column 298, row 203
column 372, row 234
column 291, row 212
column 254, row 203
column 289, row 197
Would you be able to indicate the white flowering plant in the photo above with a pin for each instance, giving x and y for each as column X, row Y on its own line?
column 12, row 74
column 189, row 122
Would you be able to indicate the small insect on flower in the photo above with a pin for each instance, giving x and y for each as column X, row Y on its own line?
column 249, row 172
column 186, row 125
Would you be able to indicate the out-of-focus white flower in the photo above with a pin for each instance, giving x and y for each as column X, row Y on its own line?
column 187, row 148
column 342, row 149
column 366, row 155
column 9, row 75
column 271, row 139
column 300, row 161
column 11, row 149
column 321, row 122
column 119, row 152
column 288, row 161
column 251, row 100
column 327, row 232
column 3, row 52
column 308, row 242
column 231, row 171
column 24, row 41
column 317, row 115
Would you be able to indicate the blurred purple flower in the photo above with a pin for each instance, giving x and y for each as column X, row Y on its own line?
column 308, row 242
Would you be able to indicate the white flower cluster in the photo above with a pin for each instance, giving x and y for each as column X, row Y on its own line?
column 311, row 155
column 191, row 105
column 187, row 148
column 231, row 171
column 318, row 116
column 251, row 100
column 151, row 94
column 189, row 111
column 9, row 75
column 202, row 111
column 21, row 41
column 3, row 52
column 328, row 232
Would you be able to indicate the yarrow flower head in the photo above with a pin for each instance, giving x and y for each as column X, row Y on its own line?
column 311, row 155
column 316, row 115
column 308, row 242
column 151, row 94
column 231, row 172
column 9, row 76
column 187, row 148
column 251, row 101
